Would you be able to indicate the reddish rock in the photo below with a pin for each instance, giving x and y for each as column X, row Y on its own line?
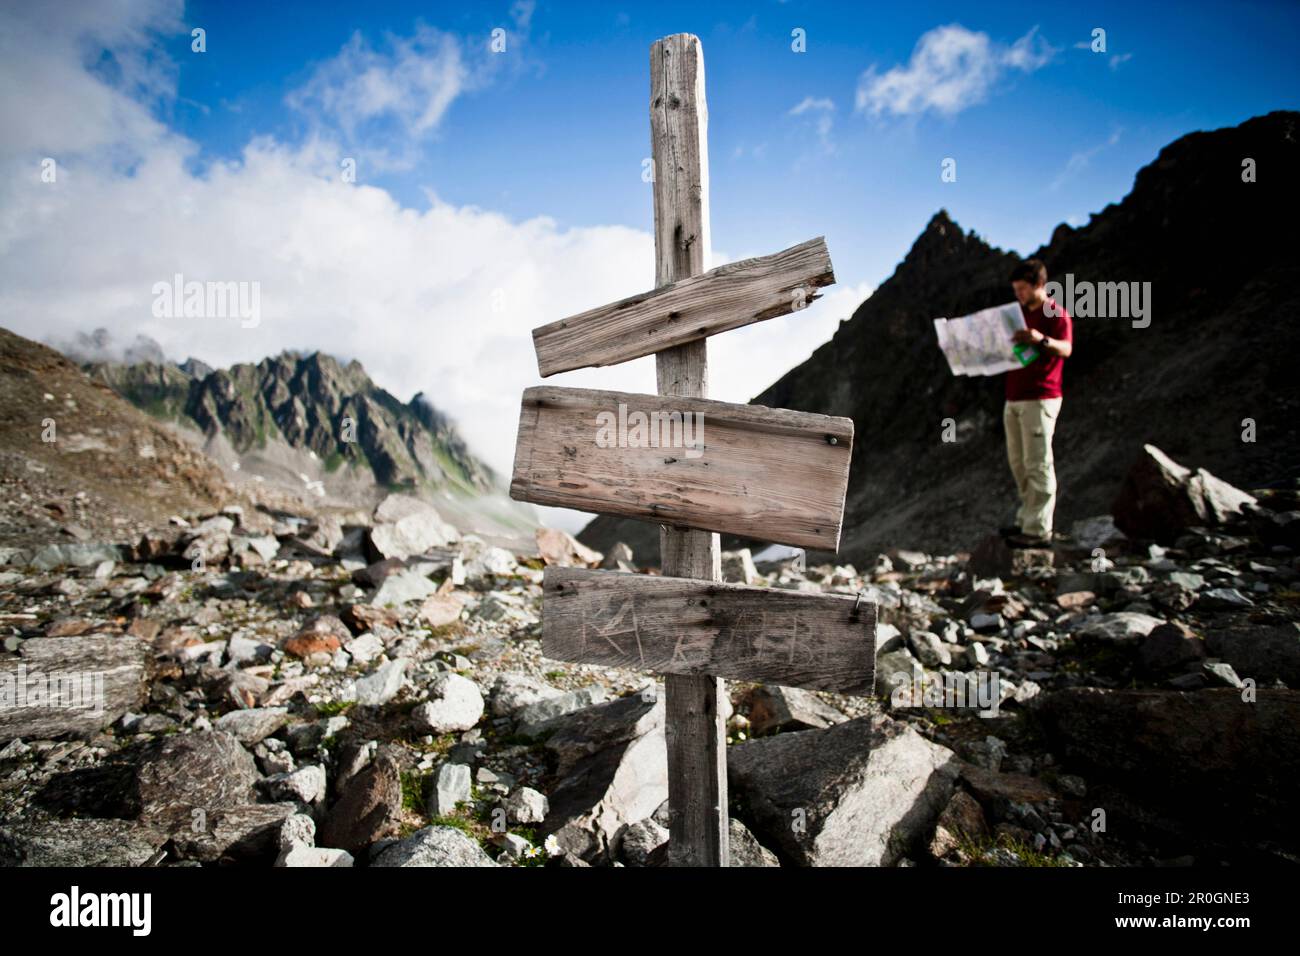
column 561, row 549
column 1075, row 600
column 363, row 617
column 440, row 610
column 322, row 635
column 989, row 786
column 69, row 627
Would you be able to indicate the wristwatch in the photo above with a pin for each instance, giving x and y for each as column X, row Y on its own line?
column 1043, row 343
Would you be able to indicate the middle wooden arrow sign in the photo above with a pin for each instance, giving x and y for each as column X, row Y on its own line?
column 764, row 473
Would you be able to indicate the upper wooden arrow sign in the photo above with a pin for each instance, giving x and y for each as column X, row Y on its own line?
column 682, row 626
column 765, row 473
column 728, row 297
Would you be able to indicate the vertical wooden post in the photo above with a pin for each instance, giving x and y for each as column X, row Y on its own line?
column 697, row 757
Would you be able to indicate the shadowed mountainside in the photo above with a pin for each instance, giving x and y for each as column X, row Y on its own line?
column 1218, row 350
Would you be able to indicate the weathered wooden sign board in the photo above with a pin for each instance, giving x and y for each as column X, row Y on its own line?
column 728, row 297
column 683, row 626
column 765, row 473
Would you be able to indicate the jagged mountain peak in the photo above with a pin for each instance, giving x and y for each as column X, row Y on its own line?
column 313, row 403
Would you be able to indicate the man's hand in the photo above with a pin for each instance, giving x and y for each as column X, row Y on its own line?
column 1027, row 337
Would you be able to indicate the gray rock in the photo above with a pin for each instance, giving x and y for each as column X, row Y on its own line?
column 243, row 834
column 403, row 587
column 535, row 718
column 456, row 705
column 640, row 840
column 298, row 855
column 1219, row 672
column 929, row 649
column 306, row 784
column 381, row 686
column 1120, row 627
column 434, row 846
column 207, row 771
column 745, row 850
column 364, row 648
column 618, row 558
column 406, row 527
column 513, row 691
column 368, row 809
column 451, row 785
column 738, row 567
column 38, row 701
column 75, row 554
column 298, row 829
column 775, row 709
column 484, row 562
column 526, row 805
column 857, row 794
column 254, row 724
column 78, row 842
column 1160, row 499
column 612, row 770
column 1265, row 652
column 1169, row 647
column 1193, row 756
column 1223, row 599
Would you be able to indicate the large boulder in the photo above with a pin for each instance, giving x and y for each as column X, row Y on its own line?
column 434, row 846
column 1161, row 498
column 243, row 834
column 71, row 686
column 178, row 783
column 611, row 763
column 861, row 793
column 368, row 809
column 78, row 842
column 1264, row 652
column 1201, row 756
column 406, row 526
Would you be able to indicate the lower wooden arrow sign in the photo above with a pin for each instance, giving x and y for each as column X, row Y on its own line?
column 683, row 626
column 765, row 473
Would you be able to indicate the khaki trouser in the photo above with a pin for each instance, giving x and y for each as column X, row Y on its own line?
column 1029, row 426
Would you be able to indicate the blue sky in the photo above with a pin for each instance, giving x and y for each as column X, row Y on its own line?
column 495, row 192
column 562, row 130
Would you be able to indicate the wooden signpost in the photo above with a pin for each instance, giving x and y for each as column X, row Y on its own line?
column 697, row 467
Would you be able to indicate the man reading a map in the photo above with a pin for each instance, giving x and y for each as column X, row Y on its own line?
column 1034, row 403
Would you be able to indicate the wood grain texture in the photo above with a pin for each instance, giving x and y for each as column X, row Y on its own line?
column 728, row 297
column 681, row 626
column 764, row 473
column 679, row 143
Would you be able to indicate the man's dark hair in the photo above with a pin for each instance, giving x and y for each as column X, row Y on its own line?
column 1031, row 270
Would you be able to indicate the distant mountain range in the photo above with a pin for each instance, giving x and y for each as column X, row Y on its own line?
column 284, row 407
column 1219, row 352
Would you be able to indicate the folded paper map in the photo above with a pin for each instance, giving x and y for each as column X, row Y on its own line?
column 980, row 343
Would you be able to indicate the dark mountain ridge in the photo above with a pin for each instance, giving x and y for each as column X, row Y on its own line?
column 1218, row 351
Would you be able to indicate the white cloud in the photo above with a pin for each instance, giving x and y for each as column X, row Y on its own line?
column 821, row 113
column 1080, row 160
column 439, row 299
column 1118, row 59
column 950, row 69
column 413, row 82
column 810, row 103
